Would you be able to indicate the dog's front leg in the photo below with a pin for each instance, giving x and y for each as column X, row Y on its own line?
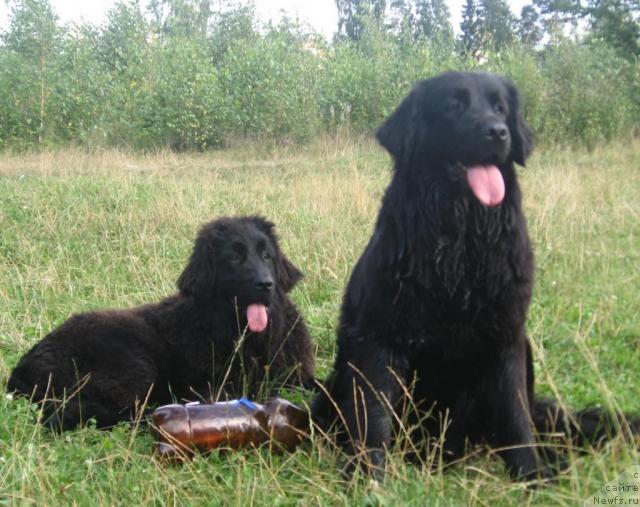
column 509, row 417
column 374, row 386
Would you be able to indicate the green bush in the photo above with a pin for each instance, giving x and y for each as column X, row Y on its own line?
column 76, row 105
column 19, row 107
column 361, row 84
column 589, row 95
column 356, row 89
column 135, row 82
column 181, row 104
column 269, row 86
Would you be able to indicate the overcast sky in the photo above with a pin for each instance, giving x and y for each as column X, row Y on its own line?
column 320, row 14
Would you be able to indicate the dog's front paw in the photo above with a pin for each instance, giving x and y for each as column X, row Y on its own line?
column 371, row 463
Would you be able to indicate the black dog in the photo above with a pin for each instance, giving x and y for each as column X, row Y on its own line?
column 231, row 330
column 439, row 298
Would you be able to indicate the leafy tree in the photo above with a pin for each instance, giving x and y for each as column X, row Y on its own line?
column 181, row 104
column 530, row 31
column 232, row 26
column 353, row 13
column 422, row 20
column 269, row 86
column 432, row 22
column 188, row 18
column 34, row 36
column 123, row 39
column 497, row 23
column 425, row 20
column 402, row 19
column 471, row 40
column 80, row 88
column 615, row 22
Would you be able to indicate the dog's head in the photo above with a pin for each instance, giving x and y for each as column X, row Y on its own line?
column 469, row 122
column 239, row 259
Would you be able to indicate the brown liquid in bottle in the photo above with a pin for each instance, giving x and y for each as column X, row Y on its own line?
column 179, row 430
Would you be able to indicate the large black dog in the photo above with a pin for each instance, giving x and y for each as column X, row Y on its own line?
column 231, row 330
column 439, row 298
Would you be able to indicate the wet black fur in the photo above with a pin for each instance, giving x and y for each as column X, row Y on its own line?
column 439, row 298
column 102, row 364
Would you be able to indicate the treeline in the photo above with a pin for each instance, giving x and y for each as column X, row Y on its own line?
column 192, row 74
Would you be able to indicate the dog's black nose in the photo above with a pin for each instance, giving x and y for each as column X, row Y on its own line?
column 497, row 132
column 266, row 284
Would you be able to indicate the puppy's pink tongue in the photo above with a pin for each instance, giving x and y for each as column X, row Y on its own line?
column 257, row 317
column 487, row 184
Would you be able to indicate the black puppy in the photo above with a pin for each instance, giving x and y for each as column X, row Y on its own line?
column 439, row 298
column 231, row 330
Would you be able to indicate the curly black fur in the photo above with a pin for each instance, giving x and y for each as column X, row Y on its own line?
column 192, row 345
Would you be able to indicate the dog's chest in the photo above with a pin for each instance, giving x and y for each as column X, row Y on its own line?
column 471, row 255
column 474, row 271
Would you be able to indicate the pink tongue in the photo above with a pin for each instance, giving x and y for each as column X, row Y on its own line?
column 257, row 317
column 486, row 183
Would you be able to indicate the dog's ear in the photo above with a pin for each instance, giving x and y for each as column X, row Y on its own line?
column 199, row 277
column 397, row 134
column 521, row 135
column 287, row 275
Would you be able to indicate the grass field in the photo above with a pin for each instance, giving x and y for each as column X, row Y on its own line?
column 82, row 231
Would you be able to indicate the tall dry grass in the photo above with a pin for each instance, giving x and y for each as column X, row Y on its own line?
column 85, row 230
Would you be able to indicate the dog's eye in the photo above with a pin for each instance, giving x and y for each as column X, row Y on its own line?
column 238, row 252
column 499, row 108
column 266, row 255
column 455, row 105
column 458, row 101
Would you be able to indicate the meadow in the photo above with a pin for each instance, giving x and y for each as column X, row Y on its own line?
column 83, row 230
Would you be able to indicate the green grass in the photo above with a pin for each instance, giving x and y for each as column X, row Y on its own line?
column 80, row 231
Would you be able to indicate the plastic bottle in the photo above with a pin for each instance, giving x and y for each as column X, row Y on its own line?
column 179, row 430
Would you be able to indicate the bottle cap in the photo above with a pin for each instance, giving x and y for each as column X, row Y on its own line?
column 247, row 403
